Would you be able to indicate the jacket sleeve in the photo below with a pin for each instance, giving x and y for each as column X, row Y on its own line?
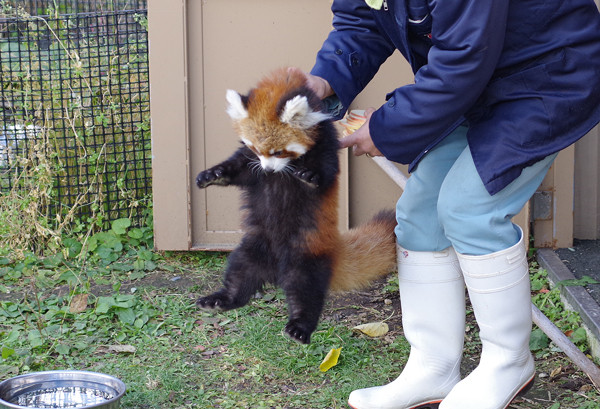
column 467, row 39
column 353, row 51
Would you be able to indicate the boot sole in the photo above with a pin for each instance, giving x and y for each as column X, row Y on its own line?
column 527, row 386
column 429, row 405
column 436, row 404
column 524, row 389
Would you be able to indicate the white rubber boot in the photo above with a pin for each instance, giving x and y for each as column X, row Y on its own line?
column 499, row 290
column 432, row 295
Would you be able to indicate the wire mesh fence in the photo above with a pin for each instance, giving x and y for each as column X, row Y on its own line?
column 49, row 7
column 74, row 91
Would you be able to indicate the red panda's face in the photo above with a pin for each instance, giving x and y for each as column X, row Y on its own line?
column 273, row 156
column 276, row 139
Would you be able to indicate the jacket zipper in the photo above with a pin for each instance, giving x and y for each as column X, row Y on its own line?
column 385, row 5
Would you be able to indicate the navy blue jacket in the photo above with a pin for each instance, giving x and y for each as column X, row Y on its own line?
column 524, row 75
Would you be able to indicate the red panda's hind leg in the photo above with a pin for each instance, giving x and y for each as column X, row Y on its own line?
column 305, row 285
column 243, row 278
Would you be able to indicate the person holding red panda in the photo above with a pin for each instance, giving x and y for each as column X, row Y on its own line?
column 500, row 87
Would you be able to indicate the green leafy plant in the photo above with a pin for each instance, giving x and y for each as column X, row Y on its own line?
column 549, row 302
column 81, row 130
column 581, row 282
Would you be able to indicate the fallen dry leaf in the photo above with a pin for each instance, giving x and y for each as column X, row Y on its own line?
column 555, row 372
column 78, row 303
column 152, row 384
column 373, row 329
column 122, row 349
column 331, row 359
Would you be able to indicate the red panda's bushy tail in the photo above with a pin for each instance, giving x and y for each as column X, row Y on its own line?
column 367, row 252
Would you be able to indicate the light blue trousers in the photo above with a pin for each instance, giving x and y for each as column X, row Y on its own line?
column 446, row 204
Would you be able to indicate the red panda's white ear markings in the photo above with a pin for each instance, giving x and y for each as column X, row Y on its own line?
column 236, row 109
column 297, row 113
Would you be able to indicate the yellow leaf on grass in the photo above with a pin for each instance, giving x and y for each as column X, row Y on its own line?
column 373, row 329
column 330, row 360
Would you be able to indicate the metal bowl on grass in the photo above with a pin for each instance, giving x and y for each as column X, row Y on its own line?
column 61, row 389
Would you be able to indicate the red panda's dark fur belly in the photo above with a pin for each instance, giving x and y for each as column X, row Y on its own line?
column 294, row 220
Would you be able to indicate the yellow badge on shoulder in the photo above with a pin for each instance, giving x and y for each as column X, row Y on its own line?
column 375, row 4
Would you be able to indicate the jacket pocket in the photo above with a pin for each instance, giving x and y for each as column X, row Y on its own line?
column 419, row 18
column 417, row 10
column 518, row 106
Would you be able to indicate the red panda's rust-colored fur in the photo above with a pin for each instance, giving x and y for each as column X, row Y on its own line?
column 263, row 113
column 366, row 253
column 359, row 255
column 269, row 91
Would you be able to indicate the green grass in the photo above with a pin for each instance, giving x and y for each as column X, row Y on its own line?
column 117, row 307
column 187, row 358
column 243, row 360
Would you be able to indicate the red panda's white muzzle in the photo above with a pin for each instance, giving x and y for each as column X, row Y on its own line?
column 273, row 164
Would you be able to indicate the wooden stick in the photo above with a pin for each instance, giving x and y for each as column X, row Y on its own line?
column 547, row 326
column 564, row 343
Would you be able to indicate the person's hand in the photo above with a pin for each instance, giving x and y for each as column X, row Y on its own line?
column 360, row 140
column 318, row 85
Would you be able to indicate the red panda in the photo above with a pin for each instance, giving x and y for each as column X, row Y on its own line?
column 287, row 169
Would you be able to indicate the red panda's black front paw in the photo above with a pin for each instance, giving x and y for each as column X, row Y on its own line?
column 298, row 332
column 307, row 176
column 212, row 176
